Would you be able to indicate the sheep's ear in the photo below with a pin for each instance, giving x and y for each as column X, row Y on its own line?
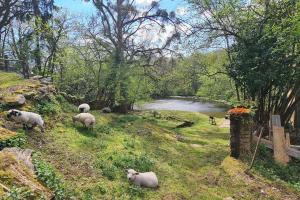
column 136, row 173
column 18, row 113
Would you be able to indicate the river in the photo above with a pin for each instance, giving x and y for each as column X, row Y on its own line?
column 186, row 104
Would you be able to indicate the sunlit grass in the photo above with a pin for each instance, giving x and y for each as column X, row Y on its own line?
column 93, row 161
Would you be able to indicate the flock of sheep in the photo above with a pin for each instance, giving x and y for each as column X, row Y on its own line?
column 31, row 120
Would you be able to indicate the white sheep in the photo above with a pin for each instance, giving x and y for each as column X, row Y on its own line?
column 87, row 119
column 84, row 108
column 26, row 118
column 146, row 179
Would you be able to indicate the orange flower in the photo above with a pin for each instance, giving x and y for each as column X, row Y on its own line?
column 237, row 111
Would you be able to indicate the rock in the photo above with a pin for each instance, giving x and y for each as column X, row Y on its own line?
column 14, row 100
column 106, row 110
column 30, row 95
column 17, row 168
column 46, row 80
column 43, row 90
column 23, row 155
column 37, row 77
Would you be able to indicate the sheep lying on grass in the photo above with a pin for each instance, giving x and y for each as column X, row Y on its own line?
column 146, row 179
column 26, row 118
column 87, row 119
column 84, row 108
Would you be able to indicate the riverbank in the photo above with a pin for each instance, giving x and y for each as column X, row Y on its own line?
column 187, row 104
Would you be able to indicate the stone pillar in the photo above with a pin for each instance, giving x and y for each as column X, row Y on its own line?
column 240, row 134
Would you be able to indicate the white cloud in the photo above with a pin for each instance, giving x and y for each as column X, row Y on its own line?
column 181, row 11
column 143, row 2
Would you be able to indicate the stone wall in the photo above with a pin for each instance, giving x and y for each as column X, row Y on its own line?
column 240, row 134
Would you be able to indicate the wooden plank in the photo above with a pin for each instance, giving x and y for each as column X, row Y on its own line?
column 275, row 121
column 293, row 153
column 279, row 145
column 295, row 146
column 267, row 143
column 287, row 140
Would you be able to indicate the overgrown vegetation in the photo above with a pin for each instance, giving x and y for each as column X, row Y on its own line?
column 15, row 141
column 266, row 166
column 46, row 174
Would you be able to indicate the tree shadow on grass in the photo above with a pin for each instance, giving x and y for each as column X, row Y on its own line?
column 85, row 131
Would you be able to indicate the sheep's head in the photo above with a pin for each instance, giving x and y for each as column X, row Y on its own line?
column 14, row 113
column 131, row 174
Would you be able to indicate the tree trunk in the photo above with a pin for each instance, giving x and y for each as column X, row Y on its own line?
column 37, row 56
column 297, row 116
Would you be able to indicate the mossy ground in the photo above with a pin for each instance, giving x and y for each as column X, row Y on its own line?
column 93, row 162
column 189, row 162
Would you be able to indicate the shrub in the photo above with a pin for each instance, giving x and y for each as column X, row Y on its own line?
column 48, row 107
column 15, row 141
column 20, row 193
column 266, row 166
column 65, row 105
column 46, row 174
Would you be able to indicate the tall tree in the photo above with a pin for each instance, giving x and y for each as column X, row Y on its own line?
column 122, row 26
column 262, row 43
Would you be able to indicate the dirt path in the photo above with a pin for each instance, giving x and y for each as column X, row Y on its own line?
column 225, row 124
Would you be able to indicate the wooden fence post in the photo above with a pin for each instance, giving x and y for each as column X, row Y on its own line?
column 279, row 142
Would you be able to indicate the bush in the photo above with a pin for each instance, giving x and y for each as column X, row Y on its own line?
column 46, row 174
column 266, row 166
column 48, row 107
column 21, row 193
column 16, row 141
column 65, row 105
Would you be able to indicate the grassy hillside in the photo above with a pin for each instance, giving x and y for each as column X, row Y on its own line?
column 191, row 163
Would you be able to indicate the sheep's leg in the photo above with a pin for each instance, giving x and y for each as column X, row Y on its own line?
column 25, row 127
column 42, row 129
column 32, row 126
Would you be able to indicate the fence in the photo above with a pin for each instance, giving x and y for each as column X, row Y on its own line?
column 7, row 64
column 279, row 142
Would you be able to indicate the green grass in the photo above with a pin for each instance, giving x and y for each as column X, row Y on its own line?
column 189, row 162
column 92, row 162
column 8, row 79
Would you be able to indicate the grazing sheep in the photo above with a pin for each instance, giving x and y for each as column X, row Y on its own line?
column 84, row 108
column 106, row 110
column 26, row 118
column 146, row 179
column 87, row 119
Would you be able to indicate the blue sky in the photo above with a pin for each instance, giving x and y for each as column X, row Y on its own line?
column 80, row 7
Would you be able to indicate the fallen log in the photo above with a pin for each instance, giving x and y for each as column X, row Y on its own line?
column 185, row 124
